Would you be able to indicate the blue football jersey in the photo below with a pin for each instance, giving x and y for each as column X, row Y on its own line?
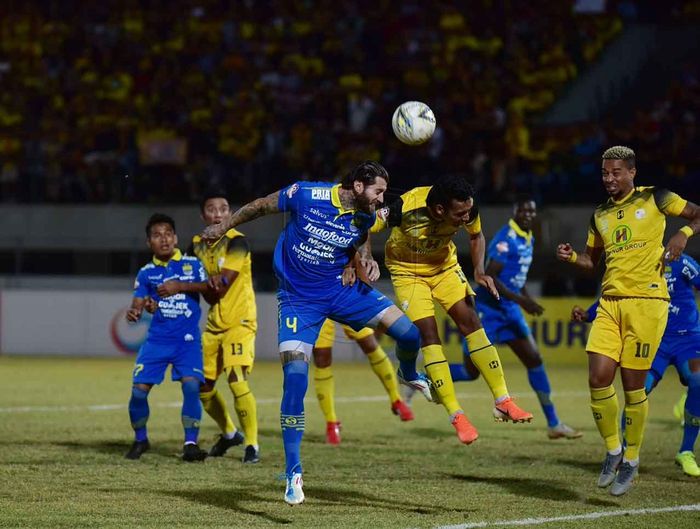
column 177, row 317
column 681, row 277
column 315, row 245
column 513, row 248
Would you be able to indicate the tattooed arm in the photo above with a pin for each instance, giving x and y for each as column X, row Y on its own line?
column 250, row 211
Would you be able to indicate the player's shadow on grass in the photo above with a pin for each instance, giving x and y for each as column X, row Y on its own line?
column 592, row 467
column 115, row 448
column 232, row 499
column 533, row 488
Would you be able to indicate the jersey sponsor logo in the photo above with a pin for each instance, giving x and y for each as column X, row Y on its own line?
column 320, row 194
column 502, row 247
column 640, row 214
column 621, row 235
column 327, row 235
column 293, row 189
column 318, row 213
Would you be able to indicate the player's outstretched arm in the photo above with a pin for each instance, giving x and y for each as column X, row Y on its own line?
column 677, row 243
column 250, row 211
column 477, row 244
column 586, row 260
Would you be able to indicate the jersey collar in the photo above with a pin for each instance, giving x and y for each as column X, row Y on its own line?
column 335, row 200
column 176, row 257
column 527, row 235
column 623, row 199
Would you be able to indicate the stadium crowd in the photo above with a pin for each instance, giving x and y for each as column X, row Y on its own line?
column 132, row 102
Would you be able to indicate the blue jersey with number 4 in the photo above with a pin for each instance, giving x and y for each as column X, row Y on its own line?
column 316, row 243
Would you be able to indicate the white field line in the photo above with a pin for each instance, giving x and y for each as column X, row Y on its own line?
column 573, row 517
column 176, row 404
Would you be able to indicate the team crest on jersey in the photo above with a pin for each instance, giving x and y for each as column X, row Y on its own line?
column 383, row 213
column 502, row 247
column 293, row 189
column 320, row 194
column 640, row 214
column 187, row 269
column 620, row 214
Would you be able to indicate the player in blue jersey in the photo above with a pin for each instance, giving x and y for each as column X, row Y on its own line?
column 680, row 346
column 509, row 256
column 171, row 285
column 314, row 264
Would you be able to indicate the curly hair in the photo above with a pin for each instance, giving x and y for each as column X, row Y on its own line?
column 620, row 152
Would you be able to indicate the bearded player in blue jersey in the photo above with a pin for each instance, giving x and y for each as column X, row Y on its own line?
column 169, row 286
column 509, row 256
column 680, row 346
column 314, row 264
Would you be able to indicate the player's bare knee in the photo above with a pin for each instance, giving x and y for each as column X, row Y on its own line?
column 323, row 356
column 143, row 387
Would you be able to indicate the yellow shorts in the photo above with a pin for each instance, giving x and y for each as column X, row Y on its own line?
column 415, row 294
column 222, row 351
column 628, row 330
column 327, row 335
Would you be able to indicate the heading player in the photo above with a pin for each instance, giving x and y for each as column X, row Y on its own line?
column 509, row 256
column 679, row 346
column 228, row 342
column 628, row 228
column 314, row 266
column 173, row 282
column 422, row 260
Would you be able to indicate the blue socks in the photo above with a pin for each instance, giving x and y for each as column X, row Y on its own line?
column 407, row 338
column 540, row 383
column 692, row 413
column 191, row 410
column 296, row 381
column 138, row 413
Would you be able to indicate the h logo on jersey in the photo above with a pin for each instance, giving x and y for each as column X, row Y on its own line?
column 621, row 235
column 620, row 214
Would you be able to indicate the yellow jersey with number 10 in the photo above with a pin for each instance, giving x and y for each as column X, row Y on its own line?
column 237, row 307
column 631, row 232
column 419, row 244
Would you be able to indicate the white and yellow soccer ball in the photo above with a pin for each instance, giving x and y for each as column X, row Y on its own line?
column 413, row 122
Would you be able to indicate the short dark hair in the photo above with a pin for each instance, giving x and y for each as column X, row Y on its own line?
column 159, row 218
column 523, row 198
column 449, row 187
column 366, row 172
column 212, row 192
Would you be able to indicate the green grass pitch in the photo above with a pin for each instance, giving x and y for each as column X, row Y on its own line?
column 64, row 430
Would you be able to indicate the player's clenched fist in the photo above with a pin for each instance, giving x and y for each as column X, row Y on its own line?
column 133, row 315
column 565, row 252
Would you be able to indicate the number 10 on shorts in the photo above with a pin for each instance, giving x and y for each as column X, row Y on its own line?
column 642, row 350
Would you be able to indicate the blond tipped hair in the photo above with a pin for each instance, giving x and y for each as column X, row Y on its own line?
column 620, row 152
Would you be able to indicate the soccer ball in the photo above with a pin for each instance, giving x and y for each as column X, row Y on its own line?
column 413, row 122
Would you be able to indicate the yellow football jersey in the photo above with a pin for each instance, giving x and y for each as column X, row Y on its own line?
column 631, row 233
column 237, row 307
column 418, row 243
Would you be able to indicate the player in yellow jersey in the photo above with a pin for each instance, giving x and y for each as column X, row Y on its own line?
column 422, row 260
column 325, row 384
column 628, row 229
column 228, row 342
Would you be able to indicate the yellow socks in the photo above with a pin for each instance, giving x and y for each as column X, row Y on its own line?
column 487, row 361
column 636, row 411
column 605, row 412
column 439, row 372
column 383, row 368
column 325, row 392
column 247, row 410
column 215, row 406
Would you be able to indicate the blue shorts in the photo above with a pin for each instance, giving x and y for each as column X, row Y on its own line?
column 153, row 359
column 301, row 317
column 676, row 350
column 503, row 322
